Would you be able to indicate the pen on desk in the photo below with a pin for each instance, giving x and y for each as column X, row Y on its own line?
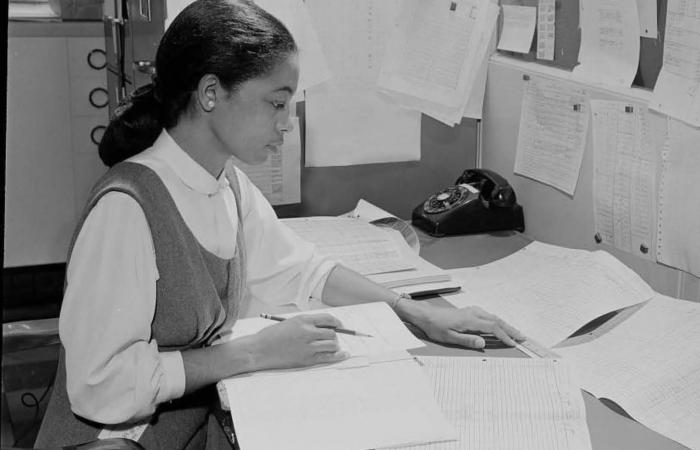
column 336, row 329
column 433, row 292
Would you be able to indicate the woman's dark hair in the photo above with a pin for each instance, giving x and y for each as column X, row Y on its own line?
column 232, row 39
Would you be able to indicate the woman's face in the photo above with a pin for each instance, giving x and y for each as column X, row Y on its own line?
column 250, row 122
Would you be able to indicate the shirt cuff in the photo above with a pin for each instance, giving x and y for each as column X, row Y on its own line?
column 326, row 268
column 173, row 377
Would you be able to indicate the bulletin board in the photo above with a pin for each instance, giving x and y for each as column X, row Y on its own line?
column 568, row 38
column 552, row 216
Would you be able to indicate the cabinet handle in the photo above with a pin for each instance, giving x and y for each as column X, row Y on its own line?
column 98, row 129
column 104, row 92
column 97, row 51
column 145, row 13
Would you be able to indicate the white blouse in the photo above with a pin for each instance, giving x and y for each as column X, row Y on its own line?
column 115, row 372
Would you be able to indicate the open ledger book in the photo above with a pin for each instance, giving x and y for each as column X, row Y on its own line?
column 378, row 397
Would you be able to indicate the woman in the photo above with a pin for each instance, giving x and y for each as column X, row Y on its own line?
column 175, row 242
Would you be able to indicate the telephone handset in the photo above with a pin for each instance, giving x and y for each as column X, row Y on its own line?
column 481, row 200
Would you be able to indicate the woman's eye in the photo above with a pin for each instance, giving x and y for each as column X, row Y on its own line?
column 279, row 105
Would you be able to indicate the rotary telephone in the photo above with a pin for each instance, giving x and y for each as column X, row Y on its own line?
column 480, row 201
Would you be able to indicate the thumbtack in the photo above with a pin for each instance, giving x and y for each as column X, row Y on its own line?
column 526, row 77
column 644, row 249
column 598, row 238
column 577, row 107
column 629, row 109
column 453, row 6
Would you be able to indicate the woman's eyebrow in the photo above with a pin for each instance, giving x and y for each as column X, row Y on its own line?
column 286, row 89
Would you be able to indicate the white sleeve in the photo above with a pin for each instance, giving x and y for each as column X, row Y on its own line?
column 115, row 372
column 283, row 269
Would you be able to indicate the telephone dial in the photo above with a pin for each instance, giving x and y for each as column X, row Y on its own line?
column 481, row 200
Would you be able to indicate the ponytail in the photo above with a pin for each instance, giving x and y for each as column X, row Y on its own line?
column 136, row 124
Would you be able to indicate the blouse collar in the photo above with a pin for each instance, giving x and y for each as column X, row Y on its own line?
column 187, row 169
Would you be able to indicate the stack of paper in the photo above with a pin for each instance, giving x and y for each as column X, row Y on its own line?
column 549, row 292
column 382, row 254
column 377, row 398
column 435, row 60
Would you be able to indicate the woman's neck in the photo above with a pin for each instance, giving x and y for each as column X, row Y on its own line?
column 200, row 145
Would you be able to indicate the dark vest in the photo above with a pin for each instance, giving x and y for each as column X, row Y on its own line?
column 198, row 296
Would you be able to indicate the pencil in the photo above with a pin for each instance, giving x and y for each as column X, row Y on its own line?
column 336, row 329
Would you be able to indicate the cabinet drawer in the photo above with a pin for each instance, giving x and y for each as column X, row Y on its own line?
column 86, row 56
column 89, row 96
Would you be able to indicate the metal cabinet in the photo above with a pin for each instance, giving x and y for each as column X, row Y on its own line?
column 57, row 110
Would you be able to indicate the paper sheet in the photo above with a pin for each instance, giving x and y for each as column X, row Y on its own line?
column 419, row 78
column 650, row 366
column 549, row 292
column 508, row 403
column 173, row 8
column 518, row 27
column 279, row 177
column 389, row 335
column 679, row 216
column 609, row 52
column 647, row 18
column 347, row 121
column 624, row 168
column 546, row 27
column 358, row 245
column 313, row 68
column 677, row 89
column 381, row 405
column 552, row 134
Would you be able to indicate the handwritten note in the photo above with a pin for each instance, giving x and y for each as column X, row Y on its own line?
column 549, row 292
column 609, row 52
column 624, row 177
column 518, row 27
column 553, row 127
column 650, row 366
column 499, row 403
column 677, row 89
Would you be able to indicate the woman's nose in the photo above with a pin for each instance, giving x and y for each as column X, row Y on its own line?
column 286, row 125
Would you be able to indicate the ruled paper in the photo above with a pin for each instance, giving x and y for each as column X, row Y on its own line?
column 508, row 403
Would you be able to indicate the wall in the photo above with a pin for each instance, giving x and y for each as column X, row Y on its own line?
column 395, row 187
column 550, row 215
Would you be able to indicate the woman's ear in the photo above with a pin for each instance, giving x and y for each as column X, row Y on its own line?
column 206, row 92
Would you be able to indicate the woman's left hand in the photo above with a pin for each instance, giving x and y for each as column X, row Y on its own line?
column 463, row 326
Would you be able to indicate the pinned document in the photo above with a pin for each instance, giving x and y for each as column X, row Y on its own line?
column 436, row 58
column 347, row 121
column 609, row 52
column 677, row 89
column 279, row 177
column 518, row 28
column 551, row 138
column 624, row 187
column 546, row 26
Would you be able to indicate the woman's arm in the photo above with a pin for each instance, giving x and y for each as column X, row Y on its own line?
column 442, row 324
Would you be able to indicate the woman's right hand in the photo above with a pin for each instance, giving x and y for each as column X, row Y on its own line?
column 297, row 342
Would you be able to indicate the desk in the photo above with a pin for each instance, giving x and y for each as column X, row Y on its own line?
column 609, row 430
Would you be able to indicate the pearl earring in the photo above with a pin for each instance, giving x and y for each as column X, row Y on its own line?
column 210, row 103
